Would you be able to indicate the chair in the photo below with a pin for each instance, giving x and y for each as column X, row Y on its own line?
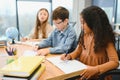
column 111, row 72
column 114, row 72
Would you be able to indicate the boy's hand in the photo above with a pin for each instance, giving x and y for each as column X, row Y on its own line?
column 43, row 52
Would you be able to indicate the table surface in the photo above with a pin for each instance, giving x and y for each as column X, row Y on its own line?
column 51, row 72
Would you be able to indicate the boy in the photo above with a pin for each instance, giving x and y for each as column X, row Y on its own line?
column 63, row 38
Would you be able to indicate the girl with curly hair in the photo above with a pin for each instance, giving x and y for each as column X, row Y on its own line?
column 96, row 46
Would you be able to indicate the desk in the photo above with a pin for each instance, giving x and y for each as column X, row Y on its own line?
column 51, row 72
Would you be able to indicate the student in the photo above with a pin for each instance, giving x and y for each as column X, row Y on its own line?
column 42, row 28
column 96, row 47
column 63, row 38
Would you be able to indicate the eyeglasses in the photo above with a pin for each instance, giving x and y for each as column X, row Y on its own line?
column 58, row 23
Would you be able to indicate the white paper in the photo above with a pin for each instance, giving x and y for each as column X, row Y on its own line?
column 68, row 66
column 29, row 53
column 30, row 43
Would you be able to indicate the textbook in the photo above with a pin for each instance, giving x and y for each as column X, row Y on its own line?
column 24, row 66
column 68, row 66
column 34, row 76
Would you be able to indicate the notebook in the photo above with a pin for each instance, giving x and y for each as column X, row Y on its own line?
column 24, row 66
column 34, row 76
column 68, row 66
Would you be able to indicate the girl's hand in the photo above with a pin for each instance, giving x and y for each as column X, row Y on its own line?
column 90, row 72
column 65, row 57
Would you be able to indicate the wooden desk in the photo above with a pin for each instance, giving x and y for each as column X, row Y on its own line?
column 51, row 72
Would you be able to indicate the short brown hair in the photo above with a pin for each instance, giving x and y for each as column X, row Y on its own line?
column 60, row 13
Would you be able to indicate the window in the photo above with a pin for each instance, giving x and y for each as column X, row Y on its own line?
column 118, row 13
column 27, row 11
column 22, row 13
column 107, row 6
column 7, row 16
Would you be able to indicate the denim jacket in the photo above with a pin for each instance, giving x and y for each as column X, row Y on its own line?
column 60, row 42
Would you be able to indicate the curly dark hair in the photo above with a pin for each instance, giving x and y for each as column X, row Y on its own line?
column 98, row 22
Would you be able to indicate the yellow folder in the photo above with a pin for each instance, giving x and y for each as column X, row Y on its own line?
column 34, row 76
column 23, row 66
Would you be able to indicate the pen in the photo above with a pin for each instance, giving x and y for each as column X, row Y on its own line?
column 66, row 56
column 14, row 51
column 9, row 52
column 66, row 53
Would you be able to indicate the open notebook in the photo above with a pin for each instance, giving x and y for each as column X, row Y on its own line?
column 68, row 66
column 23, row 66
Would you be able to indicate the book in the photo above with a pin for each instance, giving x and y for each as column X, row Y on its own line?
column 24, row 66
column 68, row 66
column 34, row 76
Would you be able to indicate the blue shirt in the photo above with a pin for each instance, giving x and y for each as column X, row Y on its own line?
column 61, row 42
